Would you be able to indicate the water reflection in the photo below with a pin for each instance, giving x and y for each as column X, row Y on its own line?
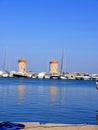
column 63, row 90
column 57, row 95
column 97, row 87
column 21, row 92
column 46, row 100
column 97, row 117
column 53, row 93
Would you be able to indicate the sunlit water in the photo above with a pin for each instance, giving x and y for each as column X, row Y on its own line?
column 48, row 101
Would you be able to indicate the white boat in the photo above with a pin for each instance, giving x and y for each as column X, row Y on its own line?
column 54, row 76
column 86, row 77
column 34, row 76
column 41, row 75
column 79, row 77
column 5, row 74
column 63, row 77
column 95, row 76
column 1, row 73
column 96, row 82
column 19, row 75
column 47, row 76
column 29, row 75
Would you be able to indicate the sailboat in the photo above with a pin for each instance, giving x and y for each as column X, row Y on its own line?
column 62, row 73
column 5, row 65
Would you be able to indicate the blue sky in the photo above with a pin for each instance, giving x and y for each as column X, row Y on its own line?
column 38, row 30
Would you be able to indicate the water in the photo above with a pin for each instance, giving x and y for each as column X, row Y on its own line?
column 48, row 101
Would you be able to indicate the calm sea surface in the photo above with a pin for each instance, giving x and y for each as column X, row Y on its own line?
column 48, row 101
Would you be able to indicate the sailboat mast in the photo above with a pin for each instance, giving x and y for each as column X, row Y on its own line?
column 6, row 61
column 62, row 62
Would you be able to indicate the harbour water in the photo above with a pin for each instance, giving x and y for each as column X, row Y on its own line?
column 48, row 101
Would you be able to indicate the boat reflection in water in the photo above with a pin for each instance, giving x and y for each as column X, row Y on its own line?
column 48, row 101
column 97, row 117
column 97, row 87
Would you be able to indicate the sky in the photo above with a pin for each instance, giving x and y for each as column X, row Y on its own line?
column 38, row 30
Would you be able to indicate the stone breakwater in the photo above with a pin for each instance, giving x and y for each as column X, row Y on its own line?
column 38, row 126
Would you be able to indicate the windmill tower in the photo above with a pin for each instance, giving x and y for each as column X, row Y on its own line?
column 53, row 67
column 22, row 65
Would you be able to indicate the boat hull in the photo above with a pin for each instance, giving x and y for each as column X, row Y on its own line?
column 19, row 76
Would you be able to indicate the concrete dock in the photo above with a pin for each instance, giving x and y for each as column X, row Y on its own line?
column 38, row 126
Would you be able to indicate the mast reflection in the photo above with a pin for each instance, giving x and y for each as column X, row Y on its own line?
column 57, row 94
